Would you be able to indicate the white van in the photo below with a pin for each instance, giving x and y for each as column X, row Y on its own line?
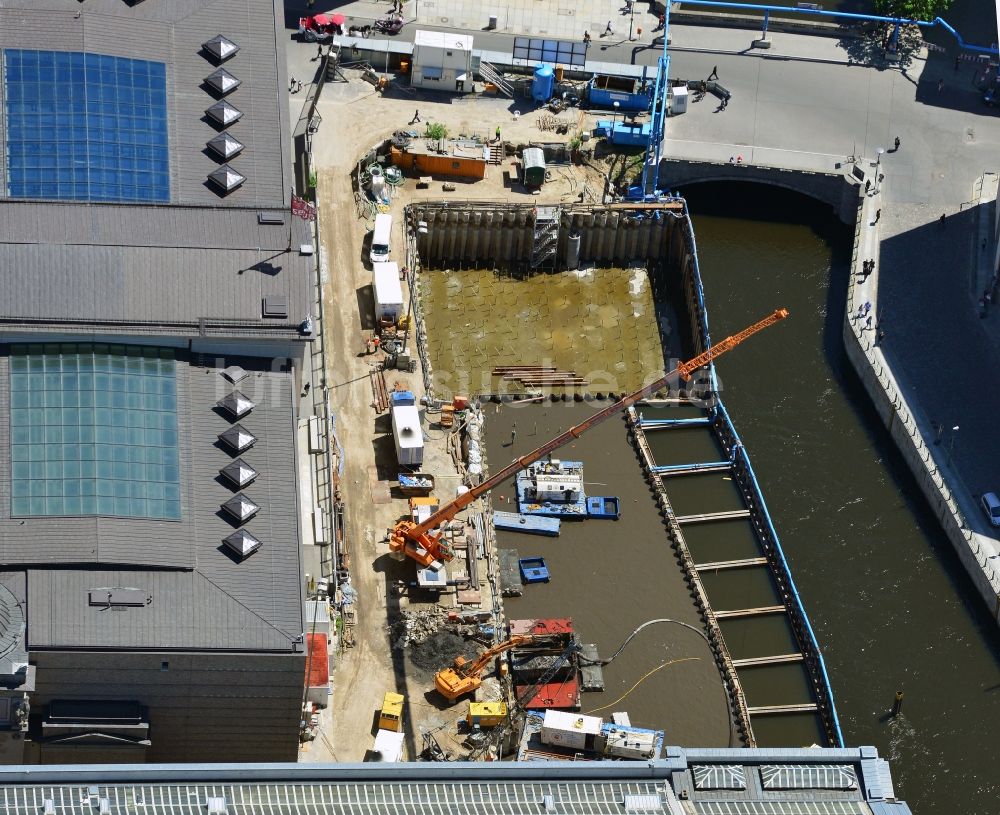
column 381, row 239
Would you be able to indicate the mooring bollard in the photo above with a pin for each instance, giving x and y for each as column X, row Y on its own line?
column 897, row 704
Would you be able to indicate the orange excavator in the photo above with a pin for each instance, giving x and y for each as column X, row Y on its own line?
column 467, row 676
column 419, row 542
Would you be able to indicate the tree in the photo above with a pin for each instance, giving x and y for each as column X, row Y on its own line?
column 912, row 9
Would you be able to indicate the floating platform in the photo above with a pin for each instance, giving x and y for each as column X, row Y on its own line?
column 553, row 488
column 564, row 695
column 510, row 573
column 591, row 674
column 604, row 506
column 533, row 570
column 529, row 666
column 529, row 524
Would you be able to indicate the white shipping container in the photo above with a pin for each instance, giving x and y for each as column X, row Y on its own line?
column 407, row 435
column 388, row 292
column 388, row 746
column 570, row 729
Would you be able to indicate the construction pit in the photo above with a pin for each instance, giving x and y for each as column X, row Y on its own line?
column 477, row 302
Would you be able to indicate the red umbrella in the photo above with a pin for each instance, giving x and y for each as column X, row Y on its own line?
column 338, row 19
column 322, row 19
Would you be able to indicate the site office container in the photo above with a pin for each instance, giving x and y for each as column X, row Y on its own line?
column 391, row 715
column 388, row 292
column 570, row 730
column 446, row 165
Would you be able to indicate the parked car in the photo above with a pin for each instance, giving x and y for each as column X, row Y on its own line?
column 991, row 506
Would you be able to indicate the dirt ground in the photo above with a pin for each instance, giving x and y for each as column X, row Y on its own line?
column 365, row 672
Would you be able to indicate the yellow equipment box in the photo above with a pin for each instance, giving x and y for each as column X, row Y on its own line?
column 391, row 717
column 486, row 714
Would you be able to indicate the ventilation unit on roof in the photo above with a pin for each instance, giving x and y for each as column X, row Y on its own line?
column 236, row 404
column 223, row 81
column 225, row 145
column 234, row 373
column 237, row 438
column 224, row 113
column 220, row 47
column 242, row 543
column 239, row 472
column 241, row 508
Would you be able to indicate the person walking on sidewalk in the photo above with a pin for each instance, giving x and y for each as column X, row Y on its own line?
column 416, row 117
column 714, row 74
column 498, row 134
column 607, row 30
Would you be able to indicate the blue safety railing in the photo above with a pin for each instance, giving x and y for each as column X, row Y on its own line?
column 655, row 424
column 666, row 469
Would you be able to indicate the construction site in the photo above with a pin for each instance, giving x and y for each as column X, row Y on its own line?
column 494, row 293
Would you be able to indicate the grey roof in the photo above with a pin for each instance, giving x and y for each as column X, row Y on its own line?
column 499, row 788
column 202, row 265
column 203, row 598
column 178, row 33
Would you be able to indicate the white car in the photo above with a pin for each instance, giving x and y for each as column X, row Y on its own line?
column 991, row 506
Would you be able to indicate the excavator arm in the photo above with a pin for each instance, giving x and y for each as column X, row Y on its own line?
column 419, row 543
column 465, row 676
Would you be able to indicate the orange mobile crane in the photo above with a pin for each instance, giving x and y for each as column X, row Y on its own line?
column 419, row 542
column 466, row 677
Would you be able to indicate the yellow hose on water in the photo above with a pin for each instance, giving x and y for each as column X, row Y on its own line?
column 641, row 680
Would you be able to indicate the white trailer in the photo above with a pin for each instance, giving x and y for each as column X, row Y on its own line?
column 388, row 292
column 407, row 435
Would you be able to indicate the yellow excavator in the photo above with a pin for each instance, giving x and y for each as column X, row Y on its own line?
column 466, row 677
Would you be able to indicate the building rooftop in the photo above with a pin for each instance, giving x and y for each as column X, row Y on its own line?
column 154, row 540
column 151, row 194
column 442, row 39
column 566, row 788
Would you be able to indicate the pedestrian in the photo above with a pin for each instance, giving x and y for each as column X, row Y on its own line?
column 607, row 30
column 319, row 52
column 868, row 185
column 942, row 219
column 940, row 85
column 897, row 143
column 638, row 33
column 732, row 159
column 376, row 341
column 416, row 117
column 867, row 306
column 291, row 84
column 298, row 85
column 498, row 134
column 724, row 103
column 878, row 214
column 714, row 74
column 305, row 389
column 662, row 23
column 586, row 36
column 868, row 322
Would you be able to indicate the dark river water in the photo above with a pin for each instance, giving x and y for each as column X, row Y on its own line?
column 891, row 605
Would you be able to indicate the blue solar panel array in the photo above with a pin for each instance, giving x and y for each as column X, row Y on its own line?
column 85, row 127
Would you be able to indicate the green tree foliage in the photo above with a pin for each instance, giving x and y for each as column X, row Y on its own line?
column 912, row 9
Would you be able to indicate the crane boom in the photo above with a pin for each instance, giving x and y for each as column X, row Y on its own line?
column 417, row 541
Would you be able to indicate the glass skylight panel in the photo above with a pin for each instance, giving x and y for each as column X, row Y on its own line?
column 94, row 431
column 85, row 127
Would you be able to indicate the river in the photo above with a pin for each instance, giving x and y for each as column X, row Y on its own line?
column 890, row 603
